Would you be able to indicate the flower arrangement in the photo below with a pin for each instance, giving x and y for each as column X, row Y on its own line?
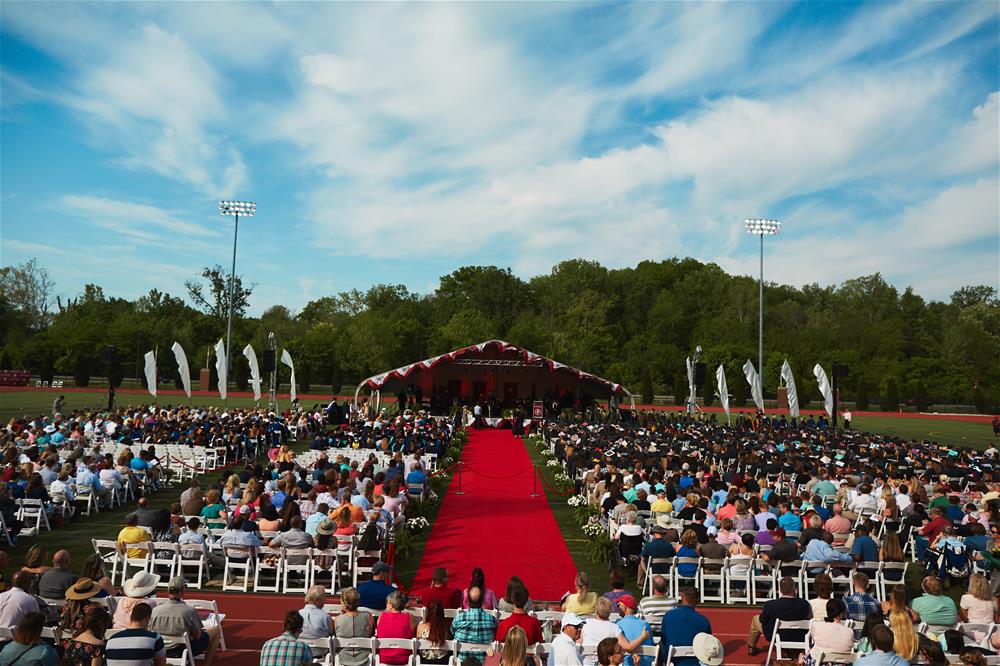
column 593, row 529
column 576, row 500
column 552, row 463
column 418, row 524
column 562, row 478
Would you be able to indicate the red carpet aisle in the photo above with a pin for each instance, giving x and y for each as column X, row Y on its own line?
column 496, row 525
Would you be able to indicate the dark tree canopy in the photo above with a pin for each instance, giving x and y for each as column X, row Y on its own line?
column 632, row 325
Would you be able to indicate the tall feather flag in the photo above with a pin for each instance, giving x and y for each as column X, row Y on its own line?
column 793, row 396
column 720, row 377
column 824, row 388
column 220, row 368
column 754, row 380
column 151, row 372
column 182, row 367
column 286, row 358
column 254, row 370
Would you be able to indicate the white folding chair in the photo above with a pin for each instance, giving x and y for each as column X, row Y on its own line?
column 712, row 575
column 239, row 559
column 141, row 563
column 214, row 618
column 693, row 579
column 297, row 561
column 778, row 644
column 194, row 556
column 889, row 575
column 322, row 650
column 678, row 652
column 325, row 563
column 269, row 561
column 165, row 555
column 340, row 644
column 32, row 514
column 394, row 644
column 110, row 554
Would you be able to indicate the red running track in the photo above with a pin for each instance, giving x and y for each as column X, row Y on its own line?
column 496, row 524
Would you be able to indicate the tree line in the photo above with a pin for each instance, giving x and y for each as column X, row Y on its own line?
column 632, row 325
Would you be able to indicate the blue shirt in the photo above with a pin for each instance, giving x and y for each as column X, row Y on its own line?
column 790, row 522
column 679, row 627
column 632, row 627
column 864, row 549
column 416, row 476
column 879, row 658
column 374, row 593
column 312, row 522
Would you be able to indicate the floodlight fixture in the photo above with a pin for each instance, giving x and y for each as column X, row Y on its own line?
column 234, row 208
column 244, row 208
column 761, row 227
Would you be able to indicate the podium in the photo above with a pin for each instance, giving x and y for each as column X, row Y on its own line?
column 204, row 379
column 782, row 397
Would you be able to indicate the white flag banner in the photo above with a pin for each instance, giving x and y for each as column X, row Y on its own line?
column 182, row 367
column 754, row 380
column 220, row 368
column 720, row 377
column 690, row 369
column 824, row 388
column 151, row 372
column 793, row 396
column 254, row 371
column 286, row 358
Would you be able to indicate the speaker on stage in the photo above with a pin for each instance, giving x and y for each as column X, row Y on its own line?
column 268, row 361
column 699, row 374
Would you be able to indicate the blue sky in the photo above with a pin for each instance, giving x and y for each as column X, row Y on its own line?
column 396, row 142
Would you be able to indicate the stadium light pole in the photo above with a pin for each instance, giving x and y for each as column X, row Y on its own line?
column 234, row 208
column 761, row 228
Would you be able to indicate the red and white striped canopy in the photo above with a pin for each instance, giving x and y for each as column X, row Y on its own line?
column 491, row 347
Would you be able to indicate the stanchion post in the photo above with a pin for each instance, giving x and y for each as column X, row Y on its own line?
column 460, row 466
column 534, row 483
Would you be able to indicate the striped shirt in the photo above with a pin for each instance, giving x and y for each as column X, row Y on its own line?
column 653, row 608
column 134, row 647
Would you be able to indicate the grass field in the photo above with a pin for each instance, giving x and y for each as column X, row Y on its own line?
column 944, row 431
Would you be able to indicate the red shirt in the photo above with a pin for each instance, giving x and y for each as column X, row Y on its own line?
column 449, row 597
column 532, row 627
column 934, row 527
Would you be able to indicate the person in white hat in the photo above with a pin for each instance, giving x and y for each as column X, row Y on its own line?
column 707, row 649
column 138, row 590
column 564, row 650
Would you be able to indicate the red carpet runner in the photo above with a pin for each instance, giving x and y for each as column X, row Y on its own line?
column 496, row 525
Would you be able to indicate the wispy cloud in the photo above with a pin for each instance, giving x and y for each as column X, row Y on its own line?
column 527, row 134
column 135, row 220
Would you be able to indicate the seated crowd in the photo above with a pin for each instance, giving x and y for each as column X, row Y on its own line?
column 774, row 498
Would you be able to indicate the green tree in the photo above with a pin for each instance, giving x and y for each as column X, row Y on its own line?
column 647, row 388
column 890, row 396
column 28, row 289
column 861, row 394
column 920, row 396
column 680, row 389
column 739, row 390
column 213, row 296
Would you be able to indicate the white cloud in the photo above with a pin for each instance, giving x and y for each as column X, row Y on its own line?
column 536, row 132
column 930, row 245
column 135, row 220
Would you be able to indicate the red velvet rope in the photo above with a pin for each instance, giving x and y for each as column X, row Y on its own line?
column 553, row 491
